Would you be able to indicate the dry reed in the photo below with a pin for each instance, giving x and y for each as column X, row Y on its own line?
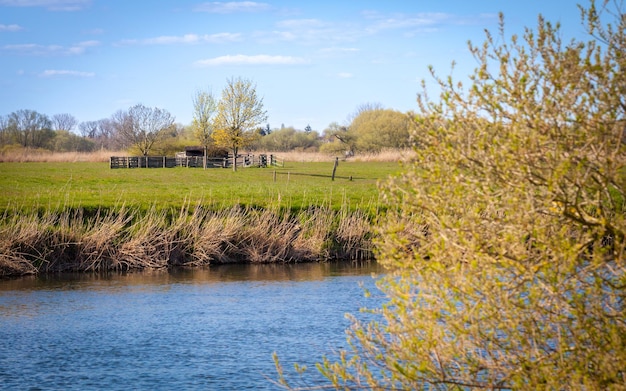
column 386, row 155
column 96, row 240
column 353, row 234
column 126, row 239
column 315, row 238
column 37, row 155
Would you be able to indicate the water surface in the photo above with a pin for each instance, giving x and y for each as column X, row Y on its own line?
column 194, row 329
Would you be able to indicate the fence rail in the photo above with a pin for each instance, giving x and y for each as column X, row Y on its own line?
column 276, row 162
column 194, row 161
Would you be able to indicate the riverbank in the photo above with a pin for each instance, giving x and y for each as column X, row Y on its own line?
column 126, row 238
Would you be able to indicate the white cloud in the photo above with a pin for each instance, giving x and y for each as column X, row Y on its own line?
column 42, row 50
column 185, row 39
column 300, row 23
column 312, row 36
column 53, row 5
column 269, row 37
column 230, row 7
column 310, row 32
column 10, row 27
column 345, row 75
column 339, row 50
column 261, row 59
column 95, row 31
column 26, row 48
column 81, row 47
column 422, row 20
column 63, row 72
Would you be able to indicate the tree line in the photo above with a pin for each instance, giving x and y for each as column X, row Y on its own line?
column 228, row 123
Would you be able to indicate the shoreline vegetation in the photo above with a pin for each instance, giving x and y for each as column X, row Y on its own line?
column 123, row 235
column 128, row 239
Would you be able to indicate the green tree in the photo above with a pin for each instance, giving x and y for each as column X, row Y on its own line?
column 339, row 139
column 141, row 127
column 378, row 128
column 66, row 141
column 239, row 111
column 204, row 109
column 505, row 241
column 372, row 128
column 288, row 139
column 174, row 140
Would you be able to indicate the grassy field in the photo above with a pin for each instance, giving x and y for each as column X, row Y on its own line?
column 92, row 185
column 84, row 216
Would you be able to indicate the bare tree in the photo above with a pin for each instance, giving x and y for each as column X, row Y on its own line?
column 141, row 127
column 106, row 129
column 4, row 130
column 88, row 129
column 30, row 128
column 64, row 122
column 365, row 107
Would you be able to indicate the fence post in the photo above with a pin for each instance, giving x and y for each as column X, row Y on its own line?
column 335, row 167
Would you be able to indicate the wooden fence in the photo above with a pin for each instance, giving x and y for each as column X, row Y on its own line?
column 193, row 161
column 276, row 162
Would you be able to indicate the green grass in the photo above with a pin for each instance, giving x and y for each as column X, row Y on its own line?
column 95, row 185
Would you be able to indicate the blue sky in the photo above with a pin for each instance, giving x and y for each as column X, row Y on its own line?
column 314, row 62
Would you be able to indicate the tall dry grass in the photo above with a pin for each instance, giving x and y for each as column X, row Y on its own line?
column 37, row 155
column 127, row 239
column 387, row 155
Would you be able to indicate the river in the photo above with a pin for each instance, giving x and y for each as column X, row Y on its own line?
column 197, row 329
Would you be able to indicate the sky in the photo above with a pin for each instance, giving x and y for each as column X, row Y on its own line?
column 313, row 62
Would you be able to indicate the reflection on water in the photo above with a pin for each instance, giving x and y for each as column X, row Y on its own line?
column 213, row 328
column 216, row 274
